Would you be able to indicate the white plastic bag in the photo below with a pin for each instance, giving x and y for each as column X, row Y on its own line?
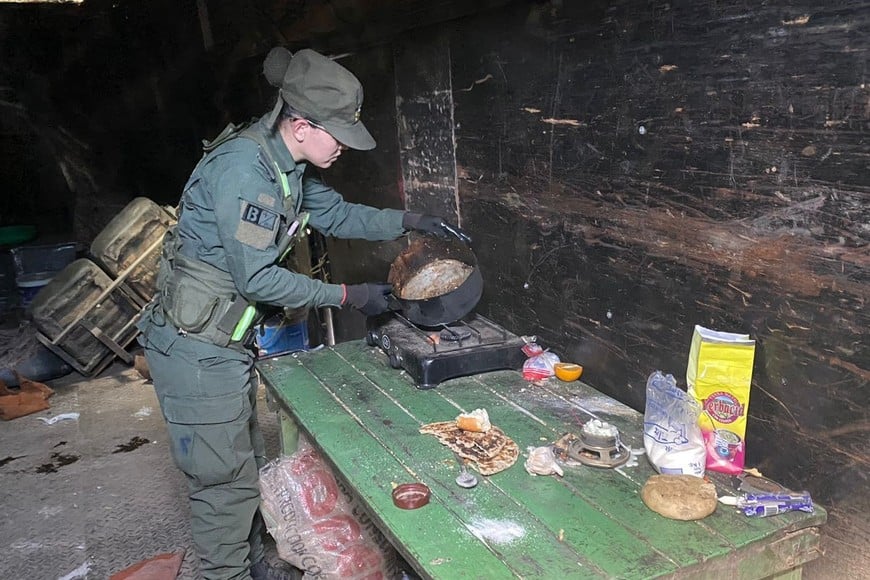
column 540, row 363
column 318, row 525
column 671, row 434
column 542, row 461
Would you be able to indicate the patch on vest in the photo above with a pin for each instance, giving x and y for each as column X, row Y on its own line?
column 257, row 226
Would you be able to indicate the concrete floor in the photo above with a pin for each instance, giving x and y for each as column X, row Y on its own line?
column 76, row 506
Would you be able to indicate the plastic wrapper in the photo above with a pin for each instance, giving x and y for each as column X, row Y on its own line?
column 540, row 363
column 318, row 525
column 671, row 434
column 542, row 461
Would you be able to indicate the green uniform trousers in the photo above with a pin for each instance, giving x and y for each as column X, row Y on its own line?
column 208, row 396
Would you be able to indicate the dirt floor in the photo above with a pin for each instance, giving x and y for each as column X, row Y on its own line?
column 87, row 497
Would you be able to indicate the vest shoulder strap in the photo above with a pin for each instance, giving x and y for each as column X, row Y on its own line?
column 267, row 147
column 231, row 131
column 249, row 131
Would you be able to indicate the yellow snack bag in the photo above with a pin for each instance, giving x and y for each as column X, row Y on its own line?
column 719, row 376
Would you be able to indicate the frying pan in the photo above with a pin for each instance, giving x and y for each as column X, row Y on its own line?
column 442, row 263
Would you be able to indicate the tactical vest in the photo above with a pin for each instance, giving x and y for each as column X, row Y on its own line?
column 202, row 301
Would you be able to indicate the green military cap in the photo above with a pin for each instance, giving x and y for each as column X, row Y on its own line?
column 322, row 91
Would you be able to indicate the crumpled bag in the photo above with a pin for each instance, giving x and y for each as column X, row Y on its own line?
column 542, row 461
column 671, row 434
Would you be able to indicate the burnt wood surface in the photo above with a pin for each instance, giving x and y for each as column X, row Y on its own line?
column 424, row 115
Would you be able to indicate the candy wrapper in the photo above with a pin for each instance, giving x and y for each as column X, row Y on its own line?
column 540, row 363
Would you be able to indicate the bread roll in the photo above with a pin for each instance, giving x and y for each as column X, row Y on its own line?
column 679, row 497
column 477, row 421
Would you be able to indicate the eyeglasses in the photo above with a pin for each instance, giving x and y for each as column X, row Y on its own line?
column 315, row 124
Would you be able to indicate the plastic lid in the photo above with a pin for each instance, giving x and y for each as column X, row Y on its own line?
column 410, row 496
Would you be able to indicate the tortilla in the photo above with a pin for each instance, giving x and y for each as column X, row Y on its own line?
column 489, row 452
column 501, row 461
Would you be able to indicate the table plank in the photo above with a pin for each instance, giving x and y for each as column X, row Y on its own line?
column 687, row 543
column 591, row 523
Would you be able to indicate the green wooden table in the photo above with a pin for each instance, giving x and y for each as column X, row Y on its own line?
column 591, row 523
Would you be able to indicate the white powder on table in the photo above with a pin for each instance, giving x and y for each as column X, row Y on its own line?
column 496, row 531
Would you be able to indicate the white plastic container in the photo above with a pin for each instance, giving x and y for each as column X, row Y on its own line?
column 29, row 285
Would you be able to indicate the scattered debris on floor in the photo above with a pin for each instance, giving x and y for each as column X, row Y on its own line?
column 80, row 572
column 10, row 459
column 58, row 418
column 57, row 460
column 32, row 397
column 162, row 567
column 132, row 445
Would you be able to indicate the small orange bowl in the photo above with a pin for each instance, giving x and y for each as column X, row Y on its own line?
column 567, row 371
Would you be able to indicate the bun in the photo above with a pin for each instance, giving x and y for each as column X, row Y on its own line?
column 276, row 64
column 476, row 421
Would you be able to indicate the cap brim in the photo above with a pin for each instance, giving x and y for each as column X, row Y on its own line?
column 355, row 136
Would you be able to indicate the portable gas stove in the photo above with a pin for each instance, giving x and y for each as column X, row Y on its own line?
column 431, row 355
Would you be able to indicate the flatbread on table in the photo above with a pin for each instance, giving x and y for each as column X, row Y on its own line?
column 501, row 461
column 488, row 452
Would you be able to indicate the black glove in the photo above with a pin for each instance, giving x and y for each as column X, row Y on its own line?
column 432, row 224
column 370, row 299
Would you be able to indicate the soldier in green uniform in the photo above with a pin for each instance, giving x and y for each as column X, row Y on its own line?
column 235, row 212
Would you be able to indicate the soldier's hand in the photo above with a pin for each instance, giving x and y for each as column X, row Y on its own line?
column 432, row 224
column 371, row 299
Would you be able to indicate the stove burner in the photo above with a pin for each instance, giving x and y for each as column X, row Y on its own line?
column 599, row 446
column 431, row 355
column 455, row 333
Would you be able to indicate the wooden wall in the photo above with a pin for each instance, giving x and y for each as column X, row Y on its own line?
column 630, row 169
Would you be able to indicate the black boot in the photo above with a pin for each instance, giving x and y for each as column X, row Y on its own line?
column 264, row 570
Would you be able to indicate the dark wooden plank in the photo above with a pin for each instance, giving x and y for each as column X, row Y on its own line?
column 741, row 206
column 424, row 116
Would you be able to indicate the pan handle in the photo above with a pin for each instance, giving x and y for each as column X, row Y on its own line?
column 455, row 231
column 393, row 303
